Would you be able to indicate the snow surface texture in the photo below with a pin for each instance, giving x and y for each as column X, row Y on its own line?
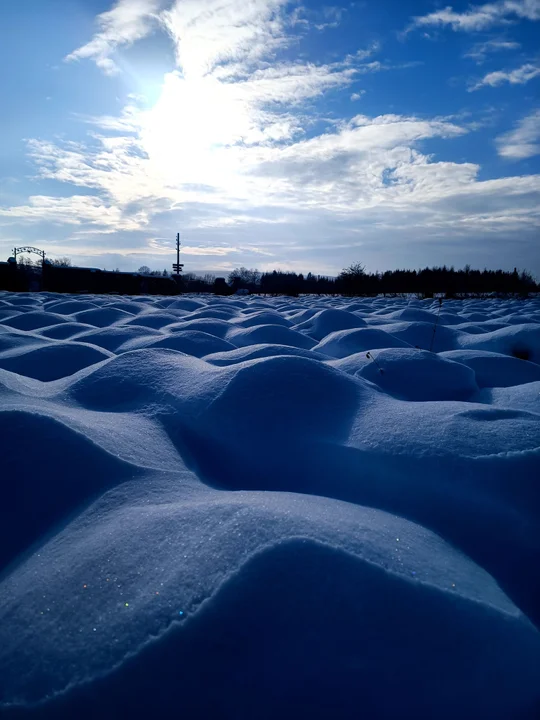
column 262, row 507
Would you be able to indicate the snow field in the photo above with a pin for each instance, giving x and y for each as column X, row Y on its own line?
column 234, row 508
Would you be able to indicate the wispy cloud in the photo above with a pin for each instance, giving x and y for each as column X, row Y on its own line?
column 224, row 221
column 480, row 51
column 221, row 31
column 519, row 76
column 479, row 17
column 207, row 250
column 331, row 17
column 522, row 142
column 75, row 210
column 368, row 168
column 226, row 37
column 127, row 22
column 318, row 18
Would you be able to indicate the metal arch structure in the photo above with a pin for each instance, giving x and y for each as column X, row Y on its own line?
column 29, row 249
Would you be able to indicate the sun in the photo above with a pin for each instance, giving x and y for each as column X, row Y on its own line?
column 191, row 132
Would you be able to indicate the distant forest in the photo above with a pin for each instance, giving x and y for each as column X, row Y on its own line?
column 355, row 281
column 60, row 276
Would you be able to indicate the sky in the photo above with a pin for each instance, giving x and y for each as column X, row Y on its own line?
column 293, row 135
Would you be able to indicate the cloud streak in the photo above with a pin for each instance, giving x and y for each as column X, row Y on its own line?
column 524, row 141
column 480, row 51
column 519, row 76
column 75, row 210
column 126, row 23
column 479, row 17
column 217, row 32
column 364, row 167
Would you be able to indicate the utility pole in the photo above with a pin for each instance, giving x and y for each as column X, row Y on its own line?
column 177, row 266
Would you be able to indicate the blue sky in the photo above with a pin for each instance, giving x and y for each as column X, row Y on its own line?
column 272, row 134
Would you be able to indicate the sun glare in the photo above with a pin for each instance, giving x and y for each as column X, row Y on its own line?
column 187, row 132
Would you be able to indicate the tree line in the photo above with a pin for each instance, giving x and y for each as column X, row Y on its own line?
column 355, row 281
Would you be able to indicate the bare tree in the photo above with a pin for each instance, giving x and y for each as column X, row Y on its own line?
column 61, row 262
column 242, row 277
column 352, row 279
column 28, row 261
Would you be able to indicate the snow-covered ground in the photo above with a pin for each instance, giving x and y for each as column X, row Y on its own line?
column 226, row 508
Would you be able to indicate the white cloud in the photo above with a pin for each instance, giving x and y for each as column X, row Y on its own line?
column 480, row 17
column 522, row 142
column 207, row 250
column 224, row 221
column 369, row 170
column 296, row 82
column 127, row 122
column 211, row 32
column 363, row 53
column 331, row 17
column 519, row 76
column 127, row 22
column 227, row 38
column 363, row 165
column 481, row 50
column 75, row 210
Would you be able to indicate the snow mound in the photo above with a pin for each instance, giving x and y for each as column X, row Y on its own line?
column 6, row 313
column 416, row 375
column 218, row 327
column 358, row 307
column 352, row 364
column 472, row 329
column 215, row 313
column 426, row 336
column 64, row 331
column 114, row 337
column 263, row 350
column 28, row 300
column 341, row 343
column 495, row 370
column 304, row 394
column 68, row 307
column 412, row 315
column 299, row 316
column 154, row 320
column 190, row 342
column 34, row 320
column 446, row 318
column 357, row 602
column 327, row 321
column 36, row 498
column 12, row 342
column 186, row 304
column 53, row 361
column 268, row 334
column 262, row 317
column 132, row 307
column 144, row 378
column 521, row 341
column 101, row 317
column 522, row 397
